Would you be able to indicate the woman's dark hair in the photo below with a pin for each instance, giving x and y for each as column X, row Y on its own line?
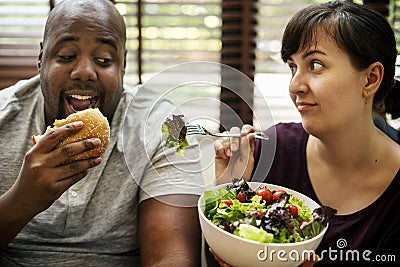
column 365, row 35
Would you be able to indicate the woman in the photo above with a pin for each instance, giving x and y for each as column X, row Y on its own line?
column 342, row 59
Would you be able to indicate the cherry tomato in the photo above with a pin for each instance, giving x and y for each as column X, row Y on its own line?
column 265, row 194
column 277, row 194
column 256, row 212
column 241, row 197
column 293, row 210
column 227, row 202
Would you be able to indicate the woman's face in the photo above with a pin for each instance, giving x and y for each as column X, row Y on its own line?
column 325, row 87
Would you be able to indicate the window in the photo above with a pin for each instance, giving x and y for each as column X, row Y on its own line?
column 21, row 27
column 271, row 97
column 164, row 35
column 394, row 18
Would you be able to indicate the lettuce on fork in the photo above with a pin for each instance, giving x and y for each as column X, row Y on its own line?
column 175, row 134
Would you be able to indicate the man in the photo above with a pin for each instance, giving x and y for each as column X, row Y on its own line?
column 134, row 206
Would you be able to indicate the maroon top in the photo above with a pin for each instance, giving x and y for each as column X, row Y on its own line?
column 375, row 228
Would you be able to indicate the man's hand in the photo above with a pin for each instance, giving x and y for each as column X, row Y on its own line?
column 234, row 157
column 43, row 178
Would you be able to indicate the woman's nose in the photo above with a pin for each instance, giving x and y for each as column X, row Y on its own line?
column 298, row 84
column 84, row 70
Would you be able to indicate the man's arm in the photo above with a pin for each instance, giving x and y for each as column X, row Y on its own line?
column 169, row 231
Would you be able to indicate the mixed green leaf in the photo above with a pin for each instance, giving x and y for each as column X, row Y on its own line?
column 175, row 134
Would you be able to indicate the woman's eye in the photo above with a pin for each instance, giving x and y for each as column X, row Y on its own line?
column 293, row 68
column 316, row 66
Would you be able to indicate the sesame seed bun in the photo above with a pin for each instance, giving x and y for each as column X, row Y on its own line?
column 95, row 125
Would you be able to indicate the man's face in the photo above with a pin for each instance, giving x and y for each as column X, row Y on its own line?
column 82, row 63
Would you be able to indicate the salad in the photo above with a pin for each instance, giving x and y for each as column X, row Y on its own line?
column 264, row 215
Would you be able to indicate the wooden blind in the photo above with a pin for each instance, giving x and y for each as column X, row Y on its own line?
column 160, row 34
column 21, row 29
column 238, row 51
column 164, row 36
column 382, row 6
column 272, row 103
column 394, row 19
column 165, row 33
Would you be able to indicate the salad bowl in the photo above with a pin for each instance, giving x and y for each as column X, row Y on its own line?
column 242, row 252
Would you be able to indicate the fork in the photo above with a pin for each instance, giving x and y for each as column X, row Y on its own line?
column 198, row 129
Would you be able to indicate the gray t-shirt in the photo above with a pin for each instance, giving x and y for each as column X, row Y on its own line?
column 94, row 223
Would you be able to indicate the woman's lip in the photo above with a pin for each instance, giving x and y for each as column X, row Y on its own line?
column 301, row 106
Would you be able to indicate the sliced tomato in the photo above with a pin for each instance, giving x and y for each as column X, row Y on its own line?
column 302, row 223
column 227, row 202
column 293, row 210
column 265, row 193
column 277, row 194
column 256, row 212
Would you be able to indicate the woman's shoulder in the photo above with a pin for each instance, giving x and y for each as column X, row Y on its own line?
column 284, row 152
column 373, row 229
column 289, row 131
column 288, row 127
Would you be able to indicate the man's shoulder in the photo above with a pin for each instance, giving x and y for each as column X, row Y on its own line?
column 141, row 92
column 131, row 89
column 143, row 98
column 22, row 89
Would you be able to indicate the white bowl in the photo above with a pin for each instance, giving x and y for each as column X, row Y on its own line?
column 241, row 252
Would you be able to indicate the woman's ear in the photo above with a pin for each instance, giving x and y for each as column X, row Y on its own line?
column 39, row 61
column 374, row 76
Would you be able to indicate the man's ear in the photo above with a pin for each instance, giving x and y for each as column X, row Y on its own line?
column 125, row 56
column 39, row 61
column 374, row 76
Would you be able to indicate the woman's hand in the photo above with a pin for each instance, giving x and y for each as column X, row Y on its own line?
column 234, row 157
column 308, row 263
column 219, row 261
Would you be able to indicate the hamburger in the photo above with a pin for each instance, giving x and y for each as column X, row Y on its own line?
column 95, row 125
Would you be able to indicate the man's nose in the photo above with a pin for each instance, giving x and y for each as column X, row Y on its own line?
column 84, row 70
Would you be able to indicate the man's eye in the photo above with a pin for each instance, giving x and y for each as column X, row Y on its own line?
column 67, row 57
column 104, row 61
column 316, row 65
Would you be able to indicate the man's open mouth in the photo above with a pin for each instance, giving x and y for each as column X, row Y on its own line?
column 81, row 102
